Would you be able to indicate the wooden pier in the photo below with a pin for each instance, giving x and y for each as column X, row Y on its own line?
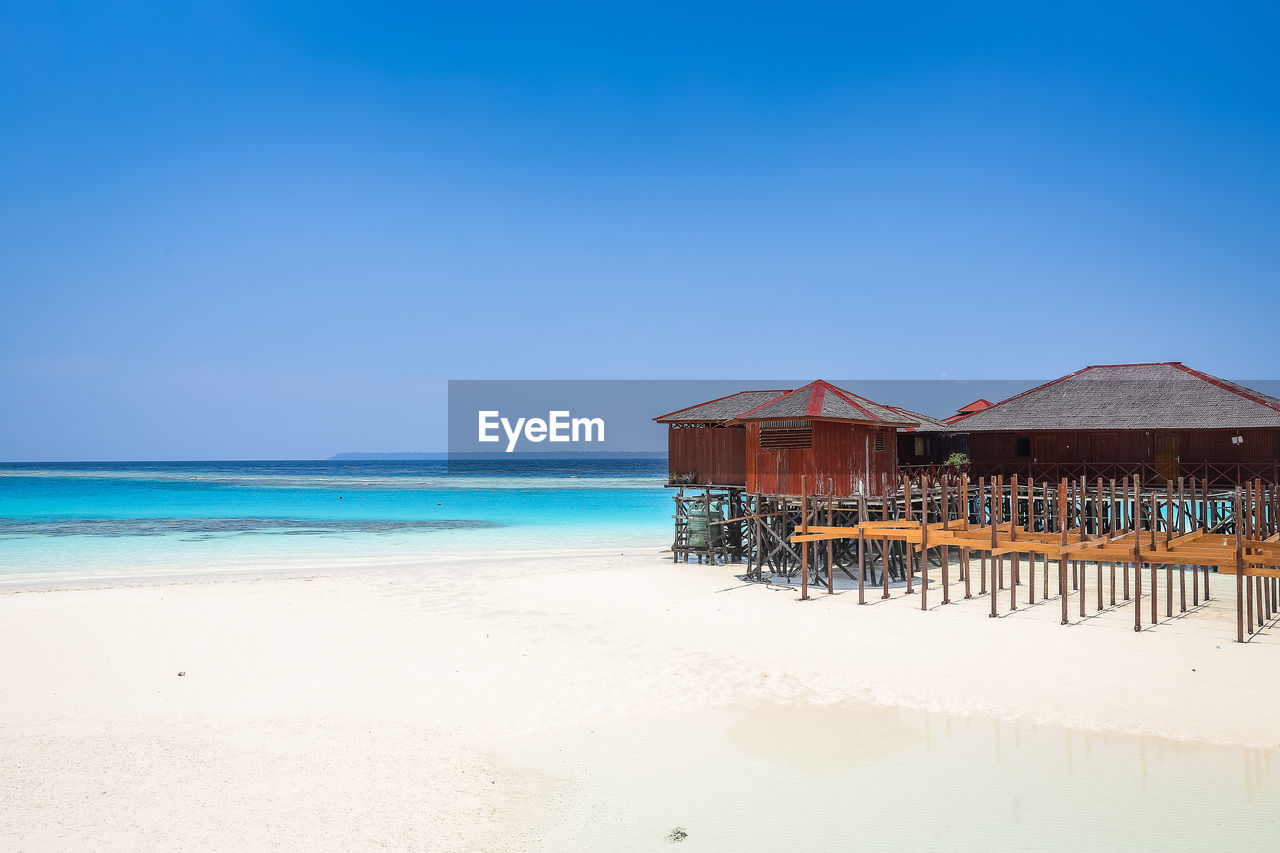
column 1109, row 543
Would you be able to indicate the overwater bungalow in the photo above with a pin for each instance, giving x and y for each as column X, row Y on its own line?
column 1159, row 421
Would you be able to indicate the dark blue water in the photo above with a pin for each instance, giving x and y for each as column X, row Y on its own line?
column 131, row 518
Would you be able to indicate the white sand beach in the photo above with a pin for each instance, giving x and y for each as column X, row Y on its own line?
column 516, row 704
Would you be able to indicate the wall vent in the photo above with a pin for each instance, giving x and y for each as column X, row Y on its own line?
column 786, row 439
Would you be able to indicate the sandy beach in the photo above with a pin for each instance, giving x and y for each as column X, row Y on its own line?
column 435, row 707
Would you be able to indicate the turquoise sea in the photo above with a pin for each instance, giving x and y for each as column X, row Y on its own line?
column 68, row 523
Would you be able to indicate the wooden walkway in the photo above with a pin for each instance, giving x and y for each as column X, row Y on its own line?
column 996, row 521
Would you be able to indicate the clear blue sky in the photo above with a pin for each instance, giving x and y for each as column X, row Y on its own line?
column 277, row 230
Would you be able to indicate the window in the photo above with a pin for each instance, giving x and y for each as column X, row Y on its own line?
column 1023, row 450
column 919, row 445
column 879, row 442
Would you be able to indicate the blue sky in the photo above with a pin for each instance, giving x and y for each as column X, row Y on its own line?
column 276, row 230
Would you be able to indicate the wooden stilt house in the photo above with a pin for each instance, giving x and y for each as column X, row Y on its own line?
column 1159, row 421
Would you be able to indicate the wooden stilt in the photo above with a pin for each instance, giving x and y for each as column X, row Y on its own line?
column 1031, row 577
column 1098, row 531
column 1047, row 529
column 862, row 550
column 1136, row 520
column 1155, row 582
column 1083, row 590
column 884, row 566
column 1246, row 529
column 1182, row 573
column 1062, row 564
column 1240, row 583
column 964, row 552
column 804, row 546
column 1205, row 489
column 982, row 510
column 995, row 514
column 998, row 498
column 1111, row 531
column 924, row 543
column 831, row 563
column 946, row 549
column 906, row 509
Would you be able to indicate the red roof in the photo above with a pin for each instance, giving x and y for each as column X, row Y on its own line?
column 964, row 411
column 822, row 400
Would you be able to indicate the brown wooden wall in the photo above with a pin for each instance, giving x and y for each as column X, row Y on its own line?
column 937, row 447
column 716, row 455
column 1166, row 454
column 841, row 452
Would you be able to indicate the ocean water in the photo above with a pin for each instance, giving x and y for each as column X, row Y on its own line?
column 63, row 523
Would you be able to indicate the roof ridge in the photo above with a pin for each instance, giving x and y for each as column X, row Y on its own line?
column 776, row 399
column 1130, row 364
column 818, row 390
column 1226, row 385
column 846, row 395
column 816, row 396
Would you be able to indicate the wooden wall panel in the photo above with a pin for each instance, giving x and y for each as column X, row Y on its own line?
column 1173, row 452
column 843, row 460
column 717, row 456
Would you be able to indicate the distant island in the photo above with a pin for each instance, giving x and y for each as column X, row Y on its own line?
column 483, row 454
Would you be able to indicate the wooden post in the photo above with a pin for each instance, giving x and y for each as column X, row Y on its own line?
column 804, row 546
column 1168, row 536
column 999, row 518
column 1126, row 565
column 1257, row 534
column 1136, row 521
column 1013, row 535
column 1245, row 529
column 1205, row 484
column 924, row 543
column 946, row 503
column 1155, row 580
column 1082, row 564
column 906, row 493
column 1045, row 489
column 831, row 565
column 1182, row 569
column 862, row 549
column 1071, row 502
column 1098, row 531
column 994, row 526
column 1240, row 581
column 1062, row 564
column 1111, row 532
column 884, row 566
column 964, row 552
column 946, row 549
column 982, row 512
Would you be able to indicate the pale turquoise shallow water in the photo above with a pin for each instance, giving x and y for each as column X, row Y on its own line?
column 861, row 777
column 64, row 522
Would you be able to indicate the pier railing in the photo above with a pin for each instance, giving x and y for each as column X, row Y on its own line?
column 1214, row 473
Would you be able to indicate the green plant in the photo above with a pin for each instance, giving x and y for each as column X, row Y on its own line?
column 957, row 459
